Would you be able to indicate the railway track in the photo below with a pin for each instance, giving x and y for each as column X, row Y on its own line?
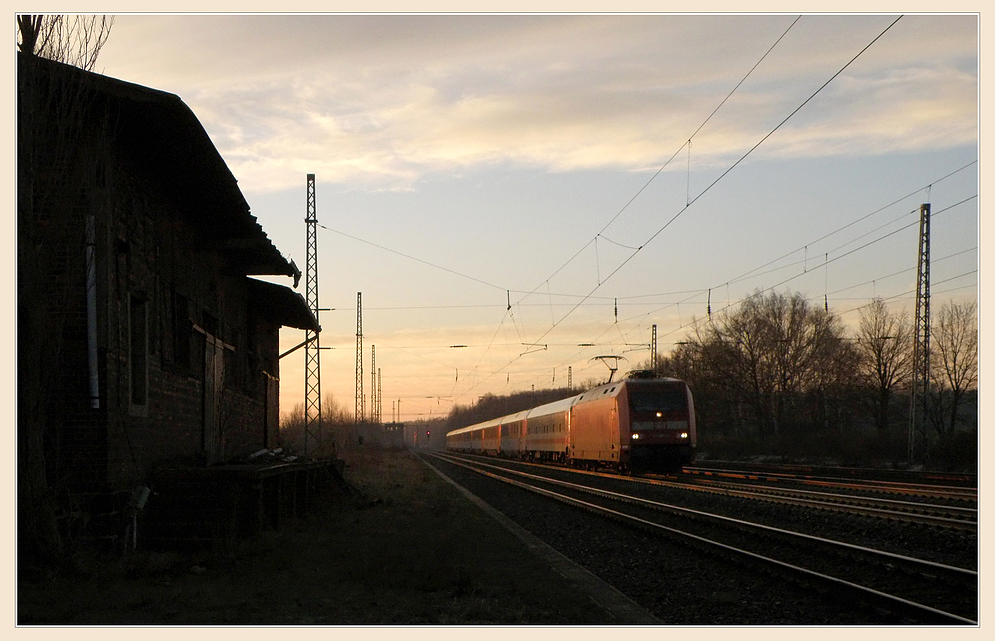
column 963, row 515
column 927, row 490
column 838, row 474
column 911, row 589
column 942, row 515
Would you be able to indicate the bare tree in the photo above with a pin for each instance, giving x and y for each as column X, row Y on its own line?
column 292, row 429
column 829, row 366
column 884, row 341
column 955, row 344
column 762, row 359
column 53, row 170
column 735, row 349
column 686, row 362
column 73, row 39
column 799, row 342
column 333, row 412
column 726, row 364
column 292, row 425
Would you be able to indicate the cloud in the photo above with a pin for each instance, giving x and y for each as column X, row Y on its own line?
column 381, row 102
column 900, row 112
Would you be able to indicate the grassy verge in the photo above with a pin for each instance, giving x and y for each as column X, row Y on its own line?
column 407, row 549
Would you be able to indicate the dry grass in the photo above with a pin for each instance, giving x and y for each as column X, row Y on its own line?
column 408, row 549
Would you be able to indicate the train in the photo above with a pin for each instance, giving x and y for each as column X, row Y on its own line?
column 642, row 423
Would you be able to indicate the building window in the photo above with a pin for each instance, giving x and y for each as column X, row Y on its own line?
column 138, row 352
column 182, row 330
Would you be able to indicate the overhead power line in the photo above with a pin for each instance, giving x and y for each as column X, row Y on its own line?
column 903, row 271
column 854, row 222
column 698, row 292
column 876, row 240
column 665, row 164
column 726, row 172
column 864, row 246
column 696, row 198
column 693, row 293
column 414, row 258
column 585, row 297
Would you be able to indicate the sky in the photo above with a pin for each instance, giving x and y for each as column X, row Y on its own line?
column 517, row 195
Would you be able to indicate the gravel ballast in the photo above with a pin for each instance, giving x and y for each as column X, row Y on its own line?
column 682, row 585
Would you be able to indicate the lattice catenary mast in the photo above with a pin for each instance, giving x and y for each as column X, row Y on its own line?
column 360, row 413
column 920, row 352
column 373, row 384
column 312, row 369
column 653, row 357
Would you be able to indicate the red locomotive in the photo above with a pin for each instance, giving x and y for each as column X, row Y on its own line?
column 641, row 423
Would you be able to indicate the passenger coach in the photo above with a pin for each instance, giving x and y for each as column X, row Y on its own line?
column 641, row 423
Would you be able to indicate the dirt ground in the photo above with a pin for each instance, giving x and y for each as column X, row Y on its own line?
column 407, row 550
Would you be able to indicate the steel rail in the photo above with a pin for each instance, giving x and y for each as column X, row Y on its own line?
column 923, row 564
column 967, row 514
column 891, row 487
column 854, row 505
column 767, row 494
column 892, row 600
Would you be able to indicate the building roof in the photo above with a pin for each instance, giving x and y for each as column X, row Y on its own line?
column 160, row 134
column 281, row 304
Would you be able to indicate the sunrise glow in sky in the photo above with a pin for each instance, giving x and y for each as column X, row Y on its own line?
column 599, row 173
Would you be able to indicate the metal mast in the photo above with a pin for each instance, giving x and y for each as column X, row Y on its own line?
column 373, row 384
column 312, row 370
column 920, row 352
column 360, row 414
column 379, row 399
column 653, row 357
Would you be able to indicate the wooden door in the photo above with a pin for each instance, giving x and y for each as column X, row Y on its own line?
column 214, row 375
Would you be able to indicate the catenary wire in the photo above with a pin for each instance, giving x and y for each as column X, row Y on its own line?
column 706, row 189
column 724, row 174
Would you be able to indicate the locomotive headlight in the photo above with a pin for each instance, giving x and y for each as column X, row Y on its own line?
column 635, row 437
column 684, row 434
column 659, row 414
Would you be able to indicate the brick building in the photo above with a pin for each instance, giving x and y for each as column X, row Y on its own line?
column 144, row 340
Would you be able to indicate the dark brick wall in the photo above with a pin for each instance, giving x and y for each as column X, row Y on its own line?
column 149, row 258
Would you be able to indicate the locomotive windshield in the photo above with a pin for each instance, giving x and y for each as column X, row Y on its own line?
column 660, row 397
